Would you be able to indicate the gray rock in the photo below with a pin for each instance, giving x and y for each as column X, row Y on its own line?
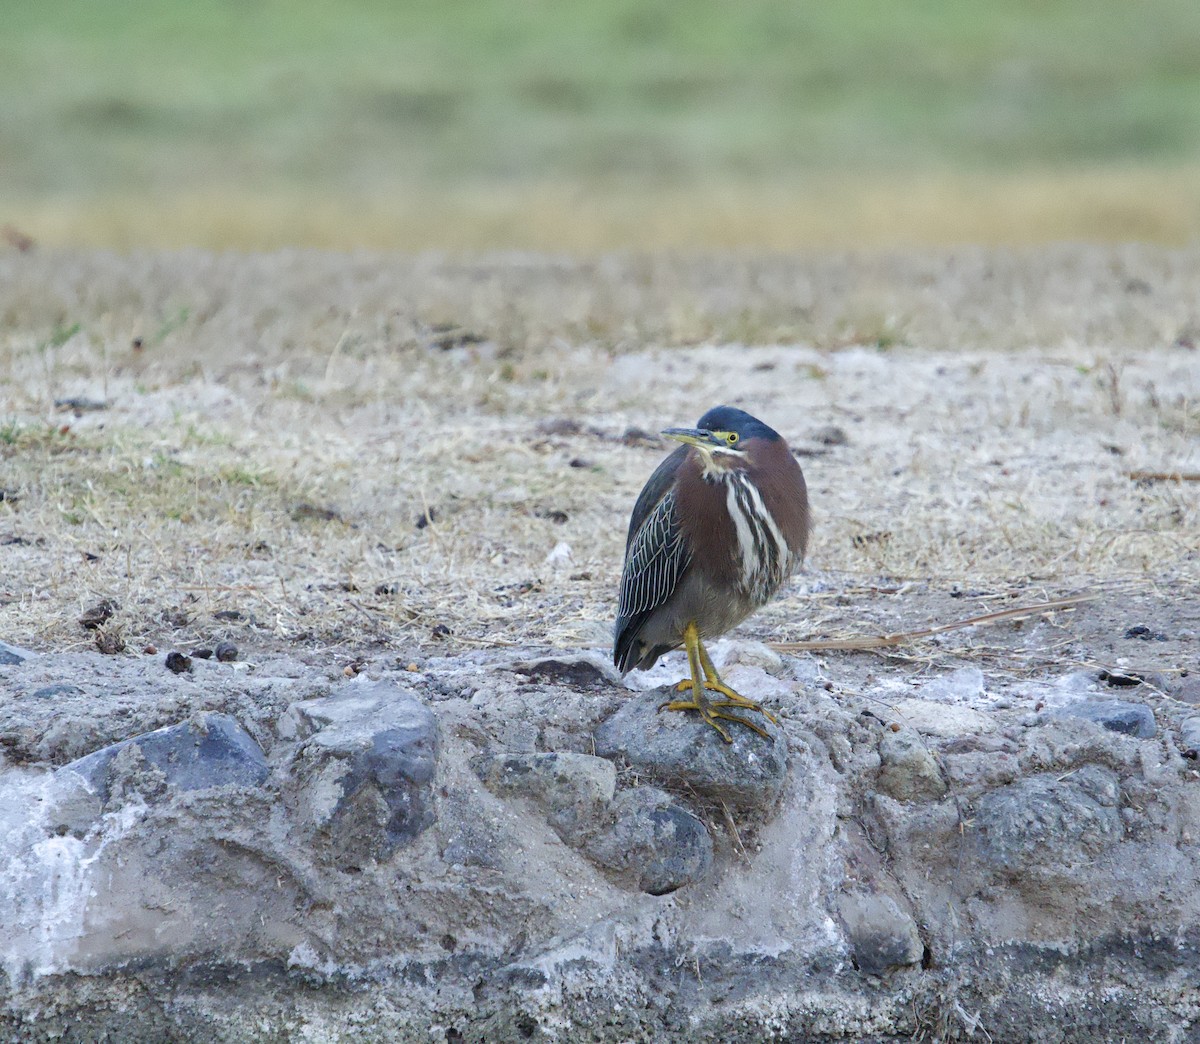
column 1187, row 690
column 653, row 843
column 47, row 692
column 1049, row 824
column 582, row 670
column 676, row 747
column 362, row 776
column 1189, row 734
column 881, row 935
column 213, row 751
column 574, row 789
column 1131, row 719
column 908, row 771
column 13, row 654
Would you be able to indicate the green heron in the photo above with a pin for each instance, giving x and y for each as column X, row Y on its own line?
column 720, row 525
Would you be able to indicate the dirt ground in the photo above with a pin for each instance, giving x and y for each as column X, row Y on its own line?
column 370, row 452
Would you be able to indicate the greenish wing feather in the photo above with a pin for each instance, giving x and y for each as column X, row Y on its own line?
column 655, row 559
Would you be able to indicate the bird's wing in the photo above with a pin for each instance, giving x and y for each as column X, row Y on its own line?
column 655, row 558
column 657, row 486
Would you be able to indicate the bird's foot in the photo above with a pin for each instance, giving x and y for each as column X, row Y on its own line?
column 733, row 698
column 711, row 710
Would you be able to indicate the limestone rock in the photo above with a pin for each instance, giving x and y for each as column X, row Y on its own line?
column 363, row 780
column 678, row 748
column 212, row 751
column 942, row 719
column 881, row 935
column 749, row 653
column 908, row 771
column 653, row 842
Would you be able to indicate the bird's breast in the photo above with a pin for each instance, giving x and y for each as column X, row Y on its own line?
column 736, row 541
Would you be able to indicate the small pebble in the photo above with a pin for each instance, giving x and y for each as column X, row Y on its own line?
column 150, row 650
column 227, row 652
column 98, row 614
column 1145, row 634
column 177, row 663
column 204, row 653
column 830, row 435
column 109, row 642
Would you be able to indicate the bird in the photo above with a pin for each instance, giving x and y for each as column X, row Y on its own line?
column 715, row 532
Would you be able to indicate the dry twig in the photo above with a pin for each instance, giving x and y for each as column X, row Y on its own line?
column 1165, row 476
column 884, row 641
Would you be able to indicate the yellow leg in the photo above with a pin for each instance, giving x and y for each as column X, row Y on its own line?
column 701, row 667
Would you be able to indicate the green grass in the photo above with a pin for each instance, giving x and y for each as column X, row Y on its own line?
column 155, row 100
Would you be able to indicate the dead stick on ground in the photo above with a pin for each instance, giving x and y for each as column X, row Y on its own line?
column 1165, row 476
column 884, row 641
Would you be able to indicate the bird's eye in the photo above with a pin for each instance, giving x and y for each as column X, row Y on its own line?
column 732, row 437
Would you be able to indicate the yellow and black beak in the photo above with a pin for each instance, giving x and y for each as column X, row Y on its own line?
column 698, row 437
column 701, row 438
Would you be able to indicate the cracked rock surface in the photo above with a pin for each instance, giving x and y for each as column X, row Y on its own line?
column 546, row 854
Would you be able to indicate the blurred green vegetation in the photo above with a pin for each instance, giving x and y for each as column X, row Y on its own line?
column 156, row 99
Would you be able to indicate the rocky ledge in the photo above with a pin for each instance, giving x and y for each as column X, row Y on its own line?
column 487, row 849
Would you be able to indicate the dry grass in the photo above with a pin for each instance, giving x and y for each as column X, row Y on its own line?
column 1156, row 205
column 994, row 405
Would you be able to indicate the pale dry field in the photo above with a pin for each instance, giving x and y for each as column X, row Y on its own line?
column 1120, row 203
column 373, row 452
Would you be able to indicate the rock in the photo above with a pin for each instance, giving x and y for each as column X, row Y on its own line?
column 214, row 751
column 677, row 748
column 177, row 663
column 653, row 842
column 574, row 789
column 362, row 772
column 881, row 935
column 908, row 771
column 964, row 684
column 47, row 692
column 1187, row 690
column 227, row 652
column 1131, row 719
column 1189, row 735
column 1145, row 634
column 942, row 719
column 582, row 670
column 751, row 654
column 72, row 806
column 11, row 655
column 1049, row 825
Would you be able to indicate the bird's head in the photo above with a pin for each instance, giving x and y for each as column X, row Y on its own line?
column 724, row 435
